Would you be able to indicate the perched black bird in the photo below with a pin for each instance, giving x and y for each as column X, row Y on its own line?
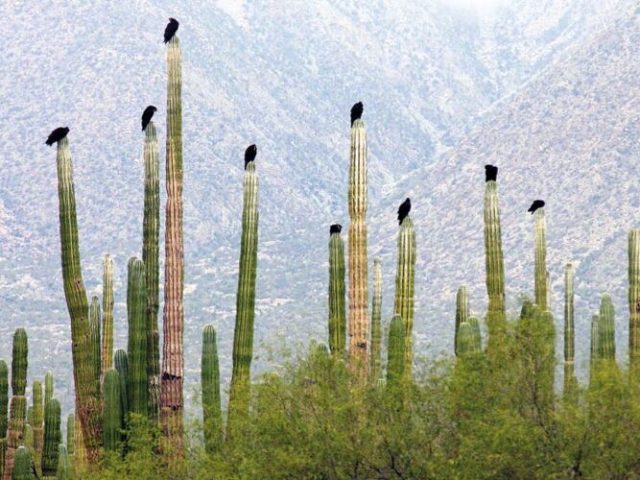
column 335, row 228
column 403, row 211
column 57, row 135
column 250, row 155
column 490, row 172
column 170, row 31
column 536, row 205
column 356, row 112
column 147, row 115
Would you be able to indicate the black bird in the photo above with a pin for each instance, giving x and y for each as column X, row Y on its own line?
column 356, row 112
column 57, row 135
column 403, row 211
column 490, row 172
column 335, row 228
column 147, row 115
column 536, row 205
column 170, row 31
column 250, row 155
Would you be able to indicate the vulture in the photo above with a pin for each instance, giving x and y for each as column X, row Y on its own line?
column 335, row 228
column 57, row 135
column 170, row 31
column 403, row 211
column 536, row 205
column 147, row 115
column 250, row 155
column 490, row 173
column 356, row 112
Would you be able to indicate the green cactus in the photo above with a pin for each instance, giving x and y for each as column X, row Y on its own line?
column 28, row 436
column 121, row 362
column 337, row 307
column 112, row 416
column 64, row 465
column 23, row 467
column 15, row 432
column 48, row 387
column 569, row 332
column 87, row 393
column 606, row 348
column 171, row 395
column 376, row 322
column 52, row 438
column 150, row 254
column 358, row 260
column 494, row 261
column 477, row 335
column 4, row 397
column 462, row 313
column 405, row 280
column 19, row 362
column 3, row 450
column 37, row 421
column 137, row 381
column 541, row 293
column 634, row 305
column 94, row 329
column 210, row 381
column 396, row 351
column 107, row 314
column 71, row 427
column 246, row 296
column 466, row 342
column 595, row 341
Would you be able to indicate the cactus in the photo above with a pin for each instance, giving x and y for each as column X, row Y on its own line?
column 569, row 333
column 87, row 394
column 94, row 329
column 121, row 362
column 606, row 347
column 358, row 279
column 466, row 342
column 595, row 341
column 171, row 395
column 112, row 416
column 337, row 308
column 37, row 420
column 462, row 313
column 15, row 433
column 396, row 351
column 137, row 381
column 71, row 426
column 405, row 278
column 52, row 437
column 634, row 305
column 4, row 397
column 494, row 260
column 28, row 436
column 19, row 362
column 64, row 466
column 107, row 315
column 23, row 467
column 376, row 322
column 210, row 381
column 541, row 294
column 150, row 253
column 477, row 335
column 246, row 296
column 48, row 387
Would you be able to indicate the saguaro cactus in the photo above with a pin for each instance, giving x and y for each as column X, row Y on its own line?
column 171, row 395
column 210, row 381
column 71, row 427
column 18, row 405
column 541, row 294
column 634, row 305
column 19, row 362
column 23, row 469
column 396, row 351
column 358, row 279
column 64, row 466
column 137, row 381
column 94, row 328
column 337, row 307
column 376, row 322
column 52, row 438
column 462, row 313
column 87, row 394
column 112, row 417
column 569, row 333
column 121, row 362
column 606, row 330
column 494, row 261
column 38, row 419
column 466, row 342
column 150, row 254
column 595, row 341
column 246, row 296
column 4, row 410
column 48, row 387
column 107, row 314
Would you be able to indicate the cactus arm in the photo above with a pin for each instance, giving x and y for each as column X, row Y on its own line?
column 396, row 351
column 94, row 328
column 376, row 322
column 337, row 312
column 37, row 422
column 462, row 313
column 107, row 314
column 606, row 330
column 210, row 381
column 112, row 418
column 137, row 381
column 121, row 362
column 52, row 438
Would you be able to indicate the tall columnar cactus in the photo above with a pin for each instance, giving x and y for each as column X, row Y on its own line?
column 37, row 422
column 121, row 362
column 595, row 341
column 405, row 280
column 48, row 387
column 462, row 313
column 87, row 393
column 112, row 416
column 19, row 362
column 150, row 254
column 210, row 381
column 337, row 307
column 376, row 322
column 137, row 381
column 52, row 438
column 246, row 296
column 606, row 330
column 71, row 427
column 107, row 314
column 569, row 332
column 541, row 294
column 477, row 335
column 466, row 342
column 64, row 465
column 171, row 395
column 18, row 405
column 634, row 305
column 94, row 328
column 4, row 410
column 396, row 351
column 494, row 260
column 358, row 278
column 23, row 468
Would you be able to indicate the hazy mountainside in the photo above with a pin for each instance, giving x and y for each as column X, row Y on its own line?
column 282, row 75
column 570, row 137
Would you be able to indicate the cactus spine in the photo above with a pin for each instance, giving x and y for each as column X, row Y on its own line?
column 137, row 381
column 150, row 254
column 107, row 314
column 87, row 394
column 121, row 362
column 52, row 438
column 634, row 305
column 171, row 395
column 494, row 260
column 541, row 294
column 112, row 417
column 462, row 313
column 48, row 387
column 246, row 296
column 337, row 308
column 71, row 427
column 23, row 467
column 569, row 333
column 37, row 420
column 94, row 328
column 376, row 322
column 396, row 351
column 405, row 278
column 358, row 286
column 606, row 330
column 18, row 404
column 210, row 380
